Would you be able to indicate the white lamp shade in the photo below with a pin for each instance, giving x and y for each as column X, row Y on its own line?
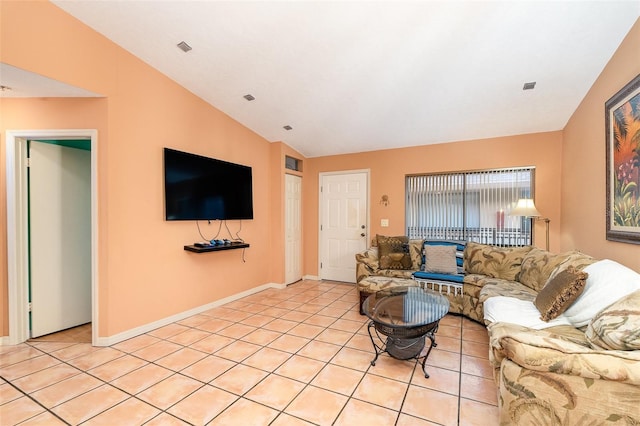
column 525, row 207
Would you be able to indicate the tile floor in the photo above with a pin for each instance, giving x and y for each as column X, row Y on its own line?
column 297, row 356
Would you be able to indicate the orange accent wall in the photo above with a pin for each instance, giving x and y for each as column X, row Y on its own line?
column 584, row 162
column 144, row 273
column 388, row 169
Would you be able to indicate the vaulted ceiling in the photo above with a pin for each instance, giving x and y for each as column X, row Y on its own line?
column 352, row 76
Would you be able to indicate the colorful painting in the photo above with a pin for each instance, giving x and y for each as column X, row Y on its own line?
column 623, row 164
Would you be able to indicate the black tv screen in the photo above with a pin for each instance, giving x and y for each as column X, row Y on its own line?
column 203, row 188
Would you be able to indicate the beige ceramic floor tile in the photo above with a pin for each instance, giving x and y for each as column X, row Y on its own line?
column 474, row 413
column 43, row 419
column 353, row 358
column 392, row 368
column 213, row 343
column 169, row 391
column 87, row 405
column 477, row 366
column 286, row 420
column 157, row 350
column 475, row 335
column 18, row 355
column 245, row 412
column 168, row 330
column 447, row 343
column 381, row 391
column 66, row 389
column 480, row 350
column 214, row 325
column 180, row 359
column 440, row 379
column 8, row 393
column 443, row 359
column 406, row 420
column 321, row 351
column 338, row 379
column 203, row 405
column 317, row 405
column 142, row 378
column 275, row 391
column 132, row 411
column 297, row 316
column 236, row 331
column 300, row 368
column 238, row 351
column 280, row 325
column 362, row 413
column 449, row 331
column 75, row 351
column 94, row 359
column 431, row 405
column 261, row 337
column 287, row 343
column 18, row 410
column 239, row 379
column 257, row 320
column 305, row 330
column 136, row 343
column 165, row 419
column 360, row 341
column 208, row 368
column 478, row 389
column 346, row 325
column 319, row 320
column 28, row 366
column 117, row 368
column 267, row 359
column 336, row 337
column 188, row 337
column 43, row 378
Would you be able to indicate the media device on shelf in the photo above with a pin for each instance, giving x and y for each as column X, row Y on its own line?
column 203, row 188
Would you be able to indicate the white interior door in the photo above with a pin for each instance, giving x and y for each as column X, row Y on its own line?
column 343, row 227
column 60, row 237
column 293, row 229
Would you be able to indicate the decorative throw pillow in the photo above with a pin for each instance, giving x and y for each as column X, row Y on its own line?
column 560, row 292
column 393, row 252
column 440, row 259
column 494, row 262
column 617, row 326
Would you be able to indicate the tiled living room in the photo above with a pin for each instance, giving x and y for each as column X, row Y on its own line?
column 297, row 356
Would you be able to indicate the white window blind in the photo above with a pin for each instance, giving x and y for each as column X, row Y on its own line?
column 470, row 206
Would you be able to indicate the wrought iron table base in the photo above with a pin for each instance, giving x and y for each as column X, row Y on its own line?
column 402, row 348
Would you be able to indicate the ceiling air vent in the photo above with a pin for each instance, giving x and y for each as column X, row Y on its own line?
column 184, row 46
column 287, row 127
column 529, row 86
column 249, row 97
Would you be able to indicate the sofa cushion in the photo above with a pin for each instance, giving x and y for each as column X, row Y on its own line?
column 459, row 252
column 608, row 281
column 517, row 311
column 560, row 292
column 617, row 326
column 440, row 259
column 537, row 266
column 394, row 253
column 496, row 262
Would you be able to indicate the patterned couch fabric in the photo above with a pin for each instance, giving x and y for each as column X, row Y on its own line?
column 368, row 263
column 496, row 262
column 617, row 326
column 548, row 378
column 537, row 266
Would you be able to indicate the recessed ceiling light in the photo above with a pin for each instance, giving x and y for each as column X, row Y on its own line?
column 529, row 86
column 287, row 127
column 184, row 46
column 249, row 97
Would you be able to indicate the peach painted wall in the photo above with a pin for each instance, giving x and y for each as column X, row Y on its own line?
column 388, row 169
column 584, row 165
column 144, row 273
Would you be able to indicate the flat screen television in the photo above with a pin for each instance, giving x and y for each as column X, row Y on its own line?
column 203, row 188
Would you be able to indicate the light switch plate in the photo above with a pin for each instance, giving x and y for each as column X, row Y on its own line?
column 384, row 222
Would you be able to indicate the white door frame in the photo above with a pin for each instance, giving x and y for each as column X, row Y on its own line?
column 17, row 235
column 321, row 208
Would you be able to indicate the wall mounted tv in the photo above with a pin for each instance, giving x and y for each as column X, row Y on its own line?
column 203, row 188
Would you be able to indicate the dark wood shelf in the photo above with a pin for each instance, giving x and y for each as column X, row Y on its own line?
column 232, row 246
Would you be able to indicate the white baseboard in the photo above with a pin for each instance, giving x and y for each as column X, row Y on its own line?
column 312, row 277
column 117, row 338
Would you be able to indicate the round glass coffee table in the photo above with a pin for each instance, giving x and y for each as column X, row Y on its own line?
column 402, row 318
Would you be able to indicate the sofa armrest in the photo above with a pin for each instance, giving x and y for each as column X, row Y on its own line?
column 367, row 263
column 544, row 350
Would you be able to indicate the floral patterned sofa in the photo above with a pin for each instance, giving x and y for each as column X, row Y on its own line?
column 554, row 372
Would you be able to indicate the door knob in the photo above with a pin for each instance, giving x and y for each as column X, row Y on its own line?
column 362, row 226
column 363, row 234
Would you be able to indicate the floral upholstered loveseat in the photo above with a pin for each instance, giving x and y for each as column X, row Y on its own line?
column 580, row 367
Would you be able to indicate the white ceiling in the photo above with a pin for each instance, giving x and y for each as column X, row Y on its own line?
column 353, row 76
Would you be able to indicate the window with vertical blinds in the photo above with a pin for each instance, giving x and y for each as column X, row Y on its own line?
column 469, row 206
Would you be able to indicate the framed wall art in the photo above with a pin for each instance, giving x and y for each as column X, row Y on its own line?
column 622, row 121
